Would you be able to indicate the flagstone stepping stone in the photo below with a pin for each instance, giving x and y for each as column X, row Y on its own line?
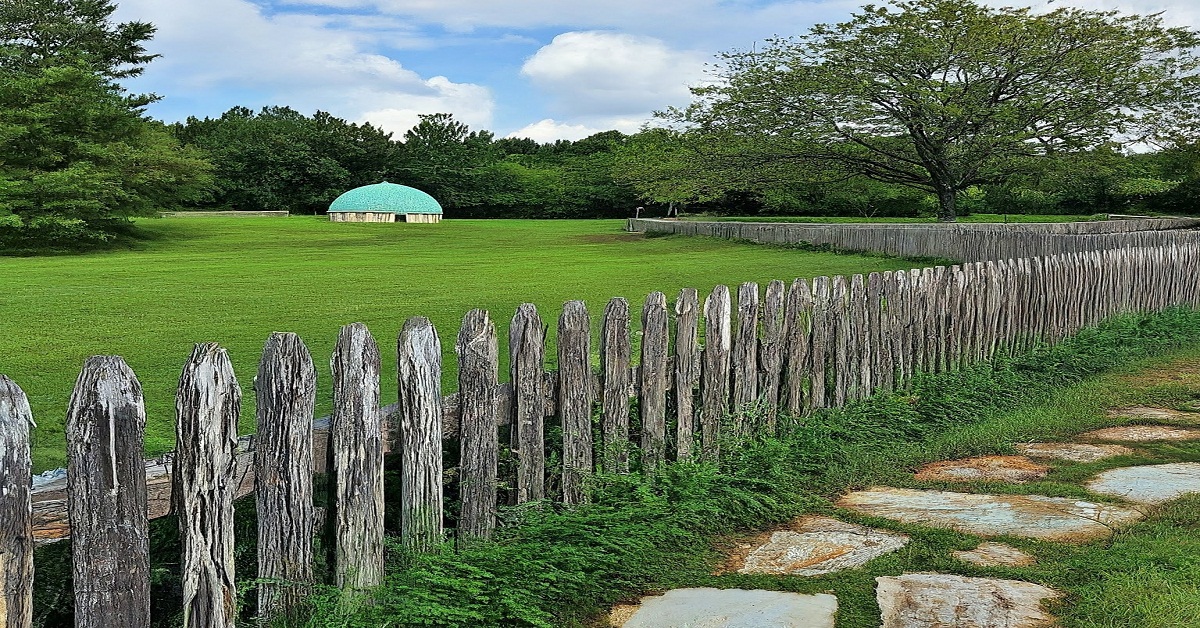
column 992, row 554
column 1154, row 414
column 1015, row 469
column 1143, row 433
column 1073, row 452
column 944, row 601
column 1030, row 516
column 820, row 545
column 729, row 608
column 1149, row 484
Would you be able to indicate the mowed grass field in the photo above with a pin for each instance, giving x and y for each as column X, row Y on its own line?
column 235, row 280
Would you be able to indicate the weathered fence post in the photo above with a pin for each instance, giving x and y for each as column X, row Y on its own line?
column 527, row 351
column 283, row 467
column 575, row 398
column 207, row 406
column 652, row 394
column 478, row 373
column 797, row 330
column 16, row 522
column 822, row 343
column 714, row 389
column 615, row 353
column 770, row 352
column 687, row 371
column 419, row 375
column 745, row 354
column 356, row 456
column 106, row 496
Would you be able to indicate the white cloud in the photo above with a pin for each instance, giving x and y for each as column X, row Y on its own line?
column 308, row 62
column 549, row 130
column 596, row 73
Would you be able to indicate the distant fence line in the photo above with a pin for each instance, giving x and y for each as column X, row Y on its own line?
column 794, row 348
column 965, row 242
column 235, row 214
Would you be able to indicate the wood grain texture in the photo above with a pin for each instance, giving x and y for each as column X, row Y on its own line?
column 283, row 468
column 16, row 520
column 687, row 370
column 479, row 445
column 615, row 357
column 527, row 355
column 207, row 406
column 714, row 388
column 770, row 352
column 575, row 399
column 106, row 495
column 822, row 345
column 652, row 394
column 419, row 381
column 797, row 331
column 356, row 460
column 745, row 353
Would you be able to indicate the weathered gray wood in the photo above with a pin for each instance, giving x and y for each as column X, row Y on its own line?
column 770, row 352
column 575, row 399
column 16, row 522
column 106, row 495
column 745, row 354
column 842, row 371
column 822, row 345
column 419, row 381
column 478, row 375
column 207, row 407
column 874, row 332
column 652, row 395
column 615, row 381
column 527, row 353
column 356, row 456
column 283, row 468
column 687, row 369
column 797, row 331
column 860, row 347
column 714, row 388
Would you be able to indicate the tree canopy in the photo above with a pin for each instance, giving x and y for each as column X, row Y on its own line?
column 943, row 95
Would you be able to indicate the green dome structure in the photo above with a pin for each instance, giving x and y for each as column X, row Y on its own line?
column 385, row 202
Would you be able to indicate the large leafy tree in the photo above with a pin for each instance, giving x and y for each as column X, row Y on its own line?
column 942, row 95
column 77, row 154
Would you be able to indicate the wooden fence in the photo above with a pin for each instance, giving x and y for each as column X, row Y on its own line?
column 960, row 241
column 792, row 348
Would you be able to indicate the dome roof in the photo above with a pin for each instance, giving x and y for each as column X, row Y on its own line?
column 386, row 197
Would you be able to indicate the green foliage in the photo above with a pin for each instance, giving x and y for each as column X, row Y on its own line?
column 76, row 156
column 942, row 95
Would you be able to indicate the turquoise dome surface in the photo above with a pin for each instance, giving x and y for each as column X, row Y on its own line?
column 386, row 197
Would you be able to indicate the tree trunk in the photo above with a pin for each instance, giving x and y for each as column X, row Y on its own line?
column 946, row 202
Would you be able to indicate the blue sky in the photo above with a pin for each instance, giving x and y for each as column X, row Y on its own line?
column 546, row 69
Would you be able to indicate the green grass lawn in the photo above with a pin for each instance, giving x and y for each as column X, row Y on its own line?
column 235, row 280
column 973, row 218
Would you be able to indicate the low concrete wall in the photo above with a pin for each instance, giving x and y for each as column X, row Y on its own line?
column 963, row 242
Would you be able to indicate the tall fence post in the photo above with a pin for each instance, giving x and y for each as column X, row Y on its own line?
column 527, row 351
column 797, row 331
column 106, row 496
column 16, row 522
column 575, row 399
column 714, row 388
column 419, row 372
column 207, row 406
column 652, row 398
column 478, row 364
column 745, row 354
column 615, row 357
column 770, row 351
column 356, row 457
column 285, row 391
column 687, row 370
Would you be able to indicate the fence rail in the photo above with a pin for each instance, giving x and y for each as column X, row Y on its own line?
column 966, row 242
column 803, row 346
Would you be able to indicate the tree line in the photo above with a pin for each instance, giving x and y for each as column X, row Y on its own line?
column 920, row 107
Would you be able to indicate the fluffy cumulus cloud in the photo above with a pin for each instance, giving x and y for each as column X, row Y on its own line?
column 599, row 75
column 550, row 130
column 307, row 61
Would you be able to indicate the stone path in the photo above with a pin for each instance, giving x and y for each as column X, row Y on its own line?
column 818, row 545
